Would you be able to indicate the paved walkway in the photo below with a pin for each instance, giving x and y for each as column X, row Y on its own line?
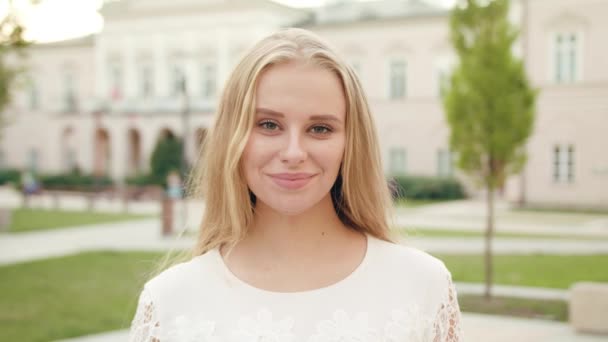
column 145, row 235
column 466, row 215
column 476, row 327
column 131, row 235
column 469, row 215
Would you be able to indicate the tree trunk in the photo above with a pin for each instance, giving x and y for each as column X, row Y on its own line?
column 488, row 242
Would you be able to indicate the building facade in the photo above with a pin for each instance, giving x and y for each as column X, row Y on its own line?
column 100, row 103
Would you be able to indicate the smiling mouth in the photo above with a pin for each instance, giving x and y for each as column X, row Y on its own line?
column 291, row 181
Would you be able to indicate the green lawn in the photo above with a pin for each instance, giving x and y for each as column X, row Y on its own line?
column 582, row 211
column 556, row 310
column 450, row 233
column 97, row 291
column 554, row 271
column 71, row 296
column 24, row 220
column 410, row 203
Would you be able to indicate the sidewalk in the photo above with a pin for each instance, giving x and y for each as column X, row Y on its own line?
column 476, row 327
column 466, row 215
column 469, row 215
column 145, row 235
column 132, row 235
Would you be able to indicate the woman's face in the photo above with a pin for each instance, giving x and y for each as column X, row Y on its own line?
column 295, row 149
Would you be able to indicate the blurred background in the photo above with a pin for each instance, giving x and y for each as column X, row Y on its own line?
column 105, row 105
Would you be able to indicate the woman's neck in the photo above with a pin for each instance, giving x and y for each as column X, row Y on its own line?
column 295, row 236
column 288, row 253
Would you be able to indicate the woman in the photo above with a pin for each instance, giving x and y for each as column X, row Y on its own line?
column 295, row 243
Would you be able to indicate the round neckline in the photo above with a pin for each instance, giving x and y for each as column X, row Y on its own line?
column 336, row 285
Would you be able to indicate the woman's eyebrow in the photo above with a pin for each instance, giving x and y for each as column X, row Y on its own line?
column 326, row 117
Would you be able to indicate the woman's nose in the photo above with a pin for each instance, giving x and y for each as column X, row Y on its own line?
column 293, row 151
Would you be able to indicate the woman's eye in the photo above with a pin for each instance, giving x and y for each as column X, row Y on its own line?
column 269, row 125
column 320, row 130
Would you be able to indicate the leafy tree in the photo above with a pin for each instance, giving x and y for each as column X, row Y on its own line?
column 165, row 158
column 489, row 104
column 12, row 48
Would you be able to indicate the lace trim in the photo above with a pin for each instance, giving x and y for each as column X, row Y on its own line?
column 410, row 325
column 145, row 326
column 447, row 326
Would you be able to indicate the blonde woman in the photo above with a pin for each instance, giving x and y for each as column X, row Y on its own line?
column 294, row 244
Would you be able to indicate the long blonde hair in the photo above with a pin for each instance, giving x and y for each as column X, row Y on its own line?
column 360, row 193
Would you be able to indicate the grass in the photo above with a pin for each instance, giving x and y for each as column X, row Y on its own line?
column 97, row 291
column 450, row 233
column 411, row 203
column 552, row 271
column 583, row 211
column 26, row 219
column 556, row 310
column 71, row 296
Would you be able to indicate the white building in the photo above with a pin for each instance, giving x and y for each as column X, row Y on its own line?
column 102, row 102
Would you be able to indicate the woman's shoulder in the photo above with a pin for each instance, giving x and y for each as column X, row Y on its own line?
column 182, row 276
column 405, row 260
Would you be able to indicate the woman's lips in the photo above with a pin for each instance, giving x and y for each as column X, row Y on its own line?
column 291, row 181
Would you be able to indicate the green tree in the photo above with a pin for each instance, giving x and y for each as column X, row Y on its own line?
column 166, row 157
column 488, row 102
column 12, row 49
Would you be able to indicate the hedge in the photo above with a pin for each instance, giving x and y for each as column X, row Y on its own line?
column 426, row 188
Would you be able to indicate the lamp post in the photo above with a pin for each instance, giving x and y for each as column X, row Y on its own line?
column 185, row 113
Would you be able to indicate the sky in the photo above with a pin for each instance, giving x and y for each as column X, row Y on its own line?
column 53, row 20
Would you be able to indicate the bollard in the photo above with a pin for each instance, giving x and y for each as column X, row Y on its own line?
column 167, row 215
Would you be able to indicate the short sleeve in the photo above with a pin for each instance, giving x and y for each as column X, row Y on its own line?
column 145, row 326
column 447, row 325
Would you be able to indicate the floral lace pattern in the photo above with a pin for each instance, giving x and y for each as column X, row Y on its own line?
column 188, row 329
column 447, row 325
column 404, row 325
column 413, row 321
column 145, row 326
column 408, row 325
column 343, row 328
column 263, row 328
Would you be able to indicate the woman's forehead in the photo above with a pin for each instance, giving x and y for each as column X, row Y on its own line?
column 300, row 88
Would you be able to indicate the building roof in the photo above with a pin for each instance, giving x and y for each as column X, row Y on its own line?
column 343, row 11
column 151, row 8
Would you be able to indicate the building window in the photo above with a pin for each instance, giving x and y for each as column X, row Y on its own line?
column 178, row 80
column 69, row 96
column 397, row 85
column 566, row 58
column 146, row 79
column 33, row 97
column 69, row 159
column 444, row 163
column 397, row 160
column 116, row 82
column 32, row 162
column 208, row 80
column 563, row 164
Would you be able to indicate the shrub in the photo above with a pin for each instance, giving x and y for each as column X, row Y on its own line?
column 140, row 180
column 166, row 157
column 74, row 181
column 10, row 176
column 426, row 188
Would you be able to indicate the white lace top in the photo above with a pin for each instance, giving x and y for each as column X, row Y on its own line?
column 397, row 294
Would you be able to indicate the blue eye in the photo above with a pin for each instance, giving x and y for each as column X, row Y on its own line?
column 320, row 129
column 269, row 125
